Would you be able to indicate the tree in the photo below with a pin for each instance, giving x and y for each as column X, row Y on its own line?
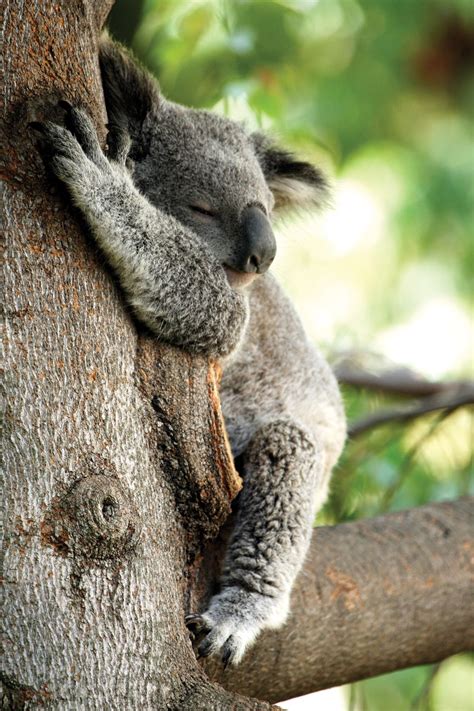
column 119, row 475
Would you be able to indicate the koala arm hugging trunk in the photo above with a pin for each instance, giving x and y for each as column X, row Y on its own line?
column 181, row 208
column 161, row 266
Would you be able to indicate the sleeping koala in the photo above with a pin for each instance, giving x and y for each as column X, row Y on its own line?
column 188, row 232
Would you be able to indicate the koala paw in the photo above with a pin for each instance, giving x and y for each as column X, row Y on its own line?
column 234, row 619
column 73, row 151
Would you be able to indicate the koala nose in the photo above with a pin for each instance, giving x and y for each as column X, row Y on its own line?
column 258, row 243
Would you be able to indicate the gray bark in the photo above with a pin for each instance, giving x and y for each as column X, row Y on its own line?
column 118, row 469
column 96, row 553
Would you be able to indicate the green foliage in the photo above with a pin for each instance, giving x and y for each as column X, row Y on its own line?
column 445, row 687
column 381, row 93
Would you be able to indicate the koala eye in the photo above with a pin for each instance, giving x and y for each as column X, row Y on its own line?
column 201, row 209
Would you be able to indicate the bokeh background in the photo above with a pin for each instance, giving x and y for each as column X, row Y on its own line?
column 380, row 93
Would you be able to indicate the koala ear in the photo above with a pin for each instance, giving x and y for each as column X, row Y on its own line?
column 130, row 92
column 294, row 183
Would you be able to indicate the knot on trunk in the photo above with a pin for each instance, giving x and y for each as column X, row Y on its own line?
column 96, row 519
column 105, row 521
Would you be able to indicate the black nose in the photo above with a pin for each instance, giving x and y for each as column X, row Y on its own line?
column 258, row 246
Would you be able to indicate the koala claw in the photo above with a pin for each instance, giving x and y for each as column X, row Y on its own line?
column 73, row 153
column 196, row 623
column 36, row 126
column 226, row 656
column 233, row 621
column 64, row 104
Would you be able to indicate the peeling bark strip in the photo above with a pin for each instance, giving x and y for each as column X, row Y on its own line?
column 374, row 596
column 195, row 454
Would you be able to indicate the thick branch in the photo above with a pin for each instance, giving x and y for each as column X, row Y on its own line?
column 374, row 596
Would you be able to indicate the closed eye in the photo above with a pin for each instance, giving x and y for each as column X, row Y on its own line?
column 203, row 210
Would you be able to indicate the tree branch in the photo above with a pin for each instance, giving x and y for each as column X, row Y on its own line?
column 374, row 596
column 449, row 399
column 394, row 381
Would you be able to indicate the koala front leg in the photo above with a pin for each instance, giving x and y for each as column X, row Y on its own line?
column 170, row 278
column 282, row 468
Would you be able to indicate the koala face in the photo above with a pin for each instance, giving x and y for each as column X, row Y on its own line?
column 206, row 171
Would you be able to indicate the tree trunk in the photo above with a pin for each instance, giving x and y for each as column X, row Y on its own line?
column 106, row 502
column 118, row 468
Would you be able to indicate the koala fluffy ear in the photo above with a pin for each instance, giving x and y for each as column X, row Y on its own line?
column 130, row 92
column 294, row 183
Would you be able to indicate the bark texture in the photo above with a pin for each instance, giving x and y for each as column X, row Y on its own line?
column 118, row 469
column 107, row 494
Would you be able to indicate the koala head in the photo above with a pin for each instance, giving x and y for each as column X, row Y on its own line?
column 207, row 171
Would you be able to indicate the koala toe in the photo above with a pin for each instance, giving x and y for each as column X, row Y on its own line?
column 226, row 639
column 235, row 647
column 80, row 125
column 214, row 640
column 196, row 625
column 233, row 621
column 228, row 652
column 56, row 141
column 65, row 169
column 119, row 144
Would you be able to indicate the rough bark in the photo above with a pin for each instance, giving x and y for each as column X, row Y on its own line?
column 118, row 467
column 99, row 534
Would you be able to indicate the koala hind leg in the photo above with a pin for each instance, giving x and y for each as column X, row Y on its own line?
column 282, row 468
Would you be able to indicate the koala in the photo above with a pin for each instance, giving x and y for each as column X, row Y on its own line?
column 181, row 206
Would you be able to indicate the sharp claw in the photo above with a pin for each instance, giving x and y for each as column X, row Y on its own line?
column 192, row 617
column 65, row 105
column 194, row 620
column 227, row 652
column 204, row 649
column 203, row 655
column 36, row 126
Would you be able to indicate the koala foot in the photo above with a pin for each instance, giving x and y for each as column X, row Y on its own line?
column 234, row 619
column 74, row 155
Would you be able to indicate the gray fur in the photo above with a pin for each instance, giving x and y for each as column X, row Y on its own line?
column 280, row 400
